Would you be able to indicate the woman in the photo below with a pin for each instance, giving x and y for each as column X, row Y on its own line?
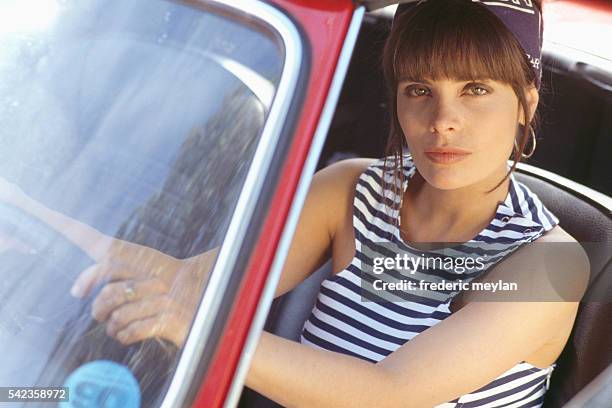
column 461, row 89
column 464, row 96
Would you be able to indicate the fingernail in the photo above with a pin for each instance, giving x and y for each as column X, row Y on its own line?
column 76, row 291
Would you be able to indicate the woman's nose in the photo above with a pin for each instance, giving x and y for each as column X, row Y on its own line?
column 445, row 115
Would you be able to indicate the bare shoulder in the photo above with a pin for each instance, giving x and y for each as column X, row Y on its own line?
column 567, row 255
column 343, row 175
column 333, row 188
column 570, row 259
column 323, row 214
column 557, row 234
column 553, row 268
column 555, row 247
column 334, row 182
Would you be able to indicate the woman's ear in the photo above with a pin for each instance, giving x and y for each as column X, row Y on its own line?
column 533, row 97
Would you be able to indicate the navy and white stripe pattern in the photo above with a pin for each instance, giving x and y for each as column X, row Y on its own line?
column 342, row 322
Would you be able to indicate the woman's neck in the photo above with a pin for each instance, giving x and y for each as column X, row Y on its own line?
column 433, row 215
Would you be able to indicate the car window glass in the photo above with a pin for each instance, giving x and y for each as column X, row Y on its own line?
column 138, row 119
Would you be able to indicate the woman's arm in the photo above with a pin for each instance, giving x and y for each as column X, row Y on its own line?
column 328, row 202
column 459, row 355
column 98, row 245
column 93, row 242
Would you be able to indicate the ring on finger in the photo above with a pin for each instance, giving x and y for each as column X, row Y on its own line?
column 129, row 292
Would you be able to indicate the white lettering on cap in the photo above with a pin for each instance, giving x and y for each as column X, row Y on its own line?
column 525, row 6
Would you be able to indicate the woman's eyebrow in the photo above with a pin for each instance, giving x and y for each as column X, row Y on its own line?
column 481, row 80
column 415, row 80
column 463, row 82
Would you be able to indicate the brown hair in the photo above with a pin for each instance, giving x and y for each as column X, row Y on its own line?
column 455, row 39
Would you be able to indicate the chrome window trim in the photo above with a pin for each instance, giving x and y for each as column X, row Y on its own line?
column 262, row 88
column 562, row 59
column 284, row 244
column 600, row 200
column 228, row 254
column 574, row 54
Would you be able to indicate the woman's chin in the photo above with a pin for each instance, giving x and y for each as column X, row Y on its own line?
column 444, row 178
column 446, row 184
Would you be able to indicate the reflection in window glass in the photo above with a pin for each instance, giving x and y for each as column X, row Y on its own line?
column 126, row 131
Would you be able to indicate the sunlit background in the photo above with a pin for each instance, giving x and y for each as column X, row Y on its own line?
column 18, row 16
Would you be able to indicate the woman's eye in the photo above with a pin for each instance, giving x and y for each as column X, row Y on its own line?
column 479, row 90
column 417, row 91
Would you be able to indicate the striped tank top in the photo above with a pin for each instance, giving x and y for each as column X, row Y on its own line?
column 343, row 322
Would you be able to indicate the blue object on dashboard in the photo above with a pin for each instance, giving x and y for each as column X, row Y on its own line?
column 102, row 384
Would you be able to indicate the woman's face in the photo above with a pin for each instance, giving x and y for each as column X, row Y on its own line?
column 460, row 132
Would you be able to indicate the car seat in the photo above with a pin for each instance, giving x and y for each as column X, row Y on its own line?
column 587, row 216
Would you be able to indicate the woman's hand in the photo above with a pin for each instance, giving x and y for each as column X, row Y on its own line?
column 12, row 194
column 146, row 293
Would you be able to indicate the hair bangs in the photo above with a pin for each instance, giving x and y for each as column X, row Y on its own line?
column 445, row 41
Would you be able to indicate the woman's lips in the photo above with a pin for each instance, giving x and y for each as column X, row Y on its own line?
column 446, row 156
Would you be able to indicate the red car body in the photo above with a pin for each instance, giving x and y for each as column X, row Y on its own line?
column 325, row 25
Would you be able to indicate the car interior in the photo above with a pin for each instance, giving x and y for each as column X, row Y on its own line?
column 573, row 145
